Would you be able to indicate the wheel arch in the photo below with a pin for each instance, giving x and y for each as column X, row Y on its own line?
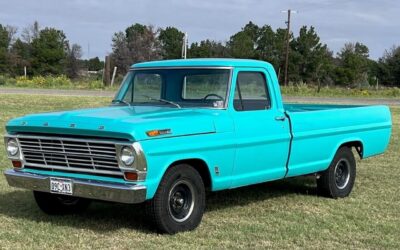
column 201, row 167
column 354, row 143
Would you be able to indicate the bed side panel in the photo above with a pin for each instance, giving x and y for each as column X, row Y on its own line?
column 318, row 134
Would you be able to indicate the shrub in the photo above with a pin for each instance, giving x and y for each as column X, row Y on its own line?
column 44, row 82
column 3, row 80
column 6, row 80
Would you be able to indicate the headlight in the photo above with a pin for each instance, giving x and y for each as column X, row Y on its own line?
column 12, row 147
column 127, row 156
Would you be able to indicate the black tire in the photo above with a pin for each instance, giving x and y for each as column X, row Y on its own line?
column 338, row 180
column 56, row 204
column 179, row 202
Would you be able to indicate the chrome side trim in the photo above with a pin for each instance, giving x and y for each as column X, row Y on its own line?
column 98, row 190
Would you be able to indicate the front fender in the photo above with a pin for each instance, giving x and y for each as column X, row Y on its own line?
column 162, row 153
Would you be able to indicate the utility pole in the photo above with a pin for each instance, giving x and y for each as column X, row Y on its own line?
column 287, row 45
column 106, row 73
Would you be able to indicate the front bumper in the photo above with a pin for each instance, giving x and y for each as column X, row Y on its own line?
column 98, row 190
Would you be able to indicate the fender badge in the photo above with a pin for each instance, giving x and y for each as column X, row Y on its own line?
column 216, row 169
column 101, row 127
column 46, row 124
column 24, row 123
column 72, row 125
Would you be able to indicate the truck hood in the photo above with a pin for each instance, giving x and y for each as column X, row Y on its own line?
column 123, row 122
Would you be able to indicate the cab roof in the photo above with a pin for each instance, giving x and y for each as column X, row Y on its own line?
column 204, row 62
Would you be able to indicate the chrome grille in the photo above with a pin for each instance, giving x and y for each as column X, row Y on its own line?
column 70, row 154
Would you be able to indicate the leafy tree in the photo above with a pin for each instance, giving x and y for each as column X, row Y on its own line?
column 243, row 44
column 72, row 62
column 139, row 43
column 389, row 67
column 310, row 54
column 143, row 43
column 207, row 48
column 20, row 57
column 94, row 64
column 121, row 53
column 353, row 64
column 4, row 43
column 31, row 32
column 49, row 52
column 171, row 40
column 271, row 47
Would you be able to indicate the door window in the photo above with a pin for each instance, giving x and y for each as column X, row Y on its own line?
column 251, row 92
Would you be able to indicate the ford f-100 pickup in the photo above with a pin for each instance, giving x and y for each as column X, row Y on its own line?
column 179, row 128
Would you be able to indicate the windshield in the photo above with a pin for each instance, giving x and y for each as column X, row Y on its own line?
column 175, row 87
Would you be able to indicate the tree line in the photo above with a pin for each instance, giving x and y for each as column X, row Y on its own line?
column 47, row 51
column 41, row 52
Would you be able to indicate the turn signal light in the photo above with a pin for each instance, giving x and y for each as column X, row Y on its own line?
column 158, row 132
column 130, row 176
column 17, row 164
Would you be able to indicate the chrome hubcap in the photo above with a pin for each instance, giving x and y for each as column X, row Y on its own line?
column 181, row 201
column 342, row 173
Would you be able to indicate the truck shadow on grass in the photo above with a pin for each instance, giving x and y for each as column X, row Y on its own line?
column 105, row 217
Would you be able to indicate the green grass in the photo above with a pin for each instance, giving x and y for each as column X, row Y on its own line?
column 91, row 83
column 280, row 215
column 55, row 82
column 338, row 91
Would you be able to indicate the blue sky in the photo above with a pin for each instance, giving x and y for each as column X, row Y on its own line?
column 375, row 23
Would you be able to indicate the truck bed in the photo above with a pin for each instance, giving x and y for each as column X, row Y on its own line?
column 300, row 107
column 319, row 130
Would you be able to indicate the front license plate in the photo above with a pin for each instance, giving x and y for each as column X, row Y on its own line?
column 60, row 186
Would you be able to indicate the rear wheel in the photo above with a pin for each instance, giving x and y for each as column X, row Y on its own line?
column 179, row 202
column 60, row 204
column 338, row 180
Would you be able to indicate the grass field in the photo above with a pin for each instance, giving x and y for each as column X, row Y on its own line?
column 282, row 214
column 291, row 90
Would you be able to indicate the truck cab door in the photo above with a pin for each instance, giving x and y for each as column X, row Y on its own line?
column 262, row 130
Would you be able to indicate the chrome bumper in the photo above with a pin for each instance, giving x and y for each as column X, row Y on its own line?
column 123, row 193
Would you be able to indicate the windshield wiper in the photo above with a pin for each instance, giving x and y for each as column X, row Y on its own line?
column 121, row 101
column 162, row 100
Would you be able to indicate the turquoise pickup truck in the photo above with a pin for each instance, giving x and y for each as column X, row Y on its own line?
column 179, row 128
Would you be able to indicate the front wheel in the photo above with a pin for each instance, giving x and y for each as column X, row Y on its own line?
column 179, row 202
column 56, row 204
column 338, row 180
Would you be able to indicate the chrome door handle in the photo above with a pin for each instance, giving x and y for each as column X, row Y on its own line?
column 280, row 118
